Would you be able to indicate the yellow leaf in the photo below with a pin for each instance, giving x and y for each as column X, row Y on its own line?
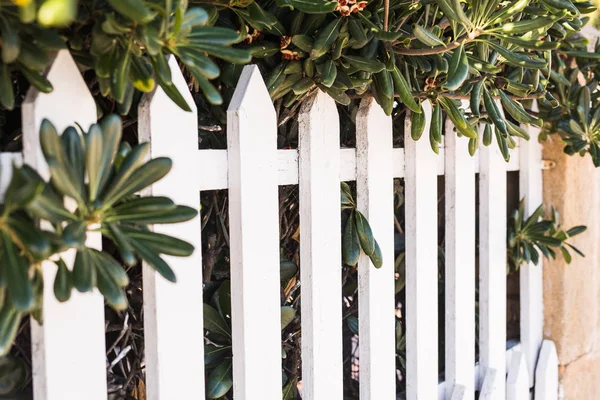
column 21, row 3
column 139, row 392
column 290, row 286
column 296, row 235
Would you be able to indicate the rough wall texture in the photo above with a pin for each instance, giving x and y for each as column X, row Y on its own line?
column 572, row 291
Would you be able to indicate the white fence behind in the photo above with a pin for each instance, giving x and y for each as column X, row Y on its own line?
column 171, row 316
column 375, row 199
column 420, row 186
column 320, row 249
column 69, row 352
column 460, row 265
column 492, row 272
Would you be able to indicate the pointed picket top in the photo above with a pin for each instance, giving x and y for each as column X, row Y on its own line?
column 158, row 98
column 517, row 381
column 170, row 130
column 251, row 94
column 319, row 105
column 546, row 373
column 370, row 112
column 489, row 385
column 69, row 102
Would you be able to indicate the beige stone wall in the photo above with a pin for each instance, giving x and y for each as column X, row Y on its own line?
column 572, row 291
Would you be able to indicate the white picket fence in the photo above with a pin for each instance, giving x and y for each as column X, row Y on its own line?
column 69, row 360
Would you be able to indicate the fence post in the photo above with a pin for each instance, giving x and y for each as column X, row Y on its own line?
column 320, row 249
column 68, row 350
column 460, row 264
column 375, row 199
column 492, row 267
column 421, row 264
column 173, row 311
column 254, row 240
column 531, row 275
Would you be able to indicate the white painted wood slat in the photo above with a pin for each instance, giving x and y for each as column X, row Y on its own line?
column 492, row 267
column 68, row 350
column 531, row 278
column 488, row 387
column 212, row 166
column 375, row 199
column 421, row 265
column 173, row 311
column 459, row 393
column 320, row 249
column 546, row 373
column 460, row 265
column 517, row 382
column 254, row 239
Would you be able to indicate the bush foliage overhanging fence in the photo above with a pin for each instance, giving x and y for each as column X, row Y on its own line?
column 499, row 57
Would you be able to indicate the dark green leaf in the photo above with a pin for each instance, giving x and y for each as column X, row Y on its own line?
column 63, row 283
column 84, row 272
column 287, row 316
column 220, row 380
column 214, row 355
column 350, row 242
column 16, row 271
column 576, row 230
column 214, row 322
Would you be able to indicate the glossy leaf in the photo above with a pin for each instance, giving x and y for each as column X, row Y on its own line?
column 63, row 283
column 220, row 380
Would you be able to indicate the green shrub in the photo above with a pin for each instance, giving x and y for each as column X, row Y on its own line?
column 397, row 50
column 101, row 175
column 497, row 56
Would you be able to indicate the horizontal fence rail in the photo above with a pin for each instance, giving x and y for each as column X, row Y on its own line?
column 212, row 166
column 69, row 351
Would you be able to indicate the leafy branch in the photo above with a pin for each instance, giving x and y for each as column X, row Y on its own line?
column 357, row 234
column 528, row 237
column 102, row 176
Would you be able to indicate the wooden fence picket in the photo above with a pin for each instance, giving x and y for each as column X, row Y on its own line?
column 254, row 240
column 320, row 249
column 173, row 312
column 517, row 381
column 546, row 373
column 68, row 350
column 375, row 190
column 530, row 275
column 489, row 389
column 460, row 264
column 492, row 267
column 421, row 264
